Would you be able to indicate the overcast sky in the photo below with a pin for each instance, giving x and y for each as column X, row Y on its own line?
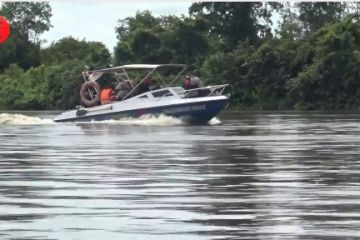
column 96, row 21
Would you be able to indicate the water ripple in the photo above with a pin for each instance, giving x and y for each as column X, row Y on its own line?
column 254, row 176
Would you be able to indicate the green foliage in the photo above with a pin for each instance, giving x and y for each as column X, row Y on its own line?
column 187, row 41
column 34, row 78
column 257, row 75
column 69, row 48
column 29, row 18
column 330, row 78
column 44, row 87
column 289, row 26
column 311, row 62
column 19, row 50
column 123, row 54
column 315, row 15
column 10, row 89
column 233, row 21
column 142, row 20
column 144, row 38
column 56, row 83
column 298, row 70
column 144, row 45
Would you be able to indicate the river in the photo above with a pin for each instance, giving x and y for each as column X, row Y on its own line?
column 248, row 175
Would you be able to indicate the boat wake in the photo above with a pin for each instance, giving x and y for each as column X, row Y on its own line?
column 161, row 120
column 214, row 121
column 20, row 119
column 145, row 120
column 151, row 120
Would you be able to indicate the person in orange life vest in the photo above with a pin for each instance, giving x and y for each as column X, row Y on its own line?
column 107, row 96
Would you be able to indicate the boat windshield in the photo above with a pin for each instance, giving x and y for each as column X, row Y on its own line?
column 178, row 90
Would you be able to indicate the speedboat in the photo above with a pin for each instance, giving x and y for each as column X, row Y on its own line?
column 128, row 98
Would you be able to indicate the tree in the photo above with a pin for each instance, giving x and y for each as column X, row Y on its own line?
column 123, row 54
column 289, row 27
column 68, row 48
column 142, row 20
column 148, row 39
column 138, row 39
column 187, row 40
column 18, row 50
column 315, row 15
column 257, row 75
column 144, row 44
column 30, row 19
column 235, row 21
column 329, row 76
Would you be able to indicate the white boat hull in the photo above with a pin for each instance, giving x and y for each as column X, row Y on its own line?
column 192, row 110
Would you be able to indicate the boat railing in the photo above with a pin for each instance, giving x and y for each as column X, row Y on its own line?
column 207, row 91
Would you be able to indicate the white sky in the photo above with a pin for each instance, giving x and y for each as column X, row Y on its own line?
column 96, row 21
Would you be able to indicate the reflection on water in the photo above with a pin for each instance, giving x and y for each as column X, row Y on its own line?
column 255, row 176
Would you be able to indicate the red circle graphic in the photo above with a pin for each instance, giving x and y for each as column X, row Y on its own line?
column 4, row 29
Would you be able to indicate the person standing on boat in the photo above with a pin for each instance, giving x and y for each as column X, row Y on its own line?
column 123, row 89
column 192, row 81
column 195, row 81
column 187, row 82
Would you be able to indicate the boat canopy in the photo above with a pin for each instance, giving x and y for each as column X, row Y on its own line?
column 137, row 67
column 122, row 73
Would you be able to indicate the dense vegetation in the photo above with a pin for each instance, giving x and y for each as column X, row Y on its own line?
column 308, row 60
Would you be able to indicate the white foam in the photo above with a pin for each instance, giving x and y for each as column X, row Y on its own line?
column 161, row 120
column 214, row 121
column 20, row 119
column 150, row 120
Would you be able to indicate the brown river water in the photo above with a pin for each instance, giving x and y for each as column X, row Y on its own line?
column 246, row 175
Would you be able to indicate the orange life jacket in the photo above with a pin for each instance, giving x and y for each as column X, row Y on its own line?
column 106, row 95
